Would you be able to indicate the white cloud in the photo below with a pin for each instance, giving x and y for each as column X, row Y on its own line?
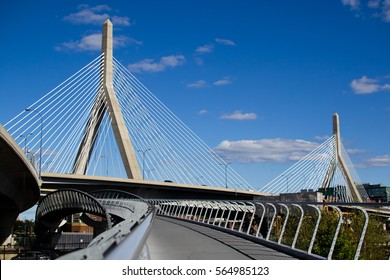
column 386, row 10
column 379, row 161
column 225, row 42
column 95, row 16
column 366, row 85
column 197, row 84
column 149, row 65
column 203, row 112
column 123, row 41
column 204, row 49
column 377, row 8
column 354, row 4
column 120, row 21
column 93, row 42
column 202, row 83
column 264, row 150
column 223, row 82
column 374, row 4
column 87, row 43
column 381, row 7
column 239, row 116
column 355, row 152
column 322, row 138
column 198, row 60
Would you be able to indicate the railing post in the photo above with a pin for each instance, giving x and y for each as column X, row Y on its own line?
column 235, row 217
column 181, row 213
column 171, row 205
column 196, row 208
column 216, row 214
column 205, row 214
column 252, row 217
column 272, row 221
column 244, row 217
column 315, row 228
column 230, row 211
column 188, row 213
column 261, row 219
column 178, row 205
column 211, row 213
column 165, row 208
column 363, row 234
column 284, row 223
column 336, row 233
column 201, row 211
column 223, row 212
column 299, row 225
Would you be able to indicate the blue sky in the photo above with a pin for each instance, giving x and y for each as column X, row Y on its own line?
column 258, row 81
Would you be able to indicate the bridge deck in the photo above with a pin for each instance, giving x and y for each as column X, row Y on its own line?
column 172, row 239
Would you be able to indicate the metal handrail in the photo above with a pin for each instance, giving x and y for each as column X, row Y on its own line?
column 214, row 213
column 126, row 240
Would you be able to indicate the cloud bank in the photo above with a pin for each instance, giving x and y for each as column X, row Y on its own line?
column 265, row 150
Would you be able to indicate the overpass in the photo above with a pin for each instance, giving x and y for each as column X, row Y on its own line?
column 20, row 185
column 144, row 188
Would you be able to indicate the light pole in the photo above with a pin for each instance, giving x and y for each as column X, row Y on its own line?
column 226, row 178
column 106, row 164
column 25, row 141
column 148, row 172
column 40, row 149
column 143, row 162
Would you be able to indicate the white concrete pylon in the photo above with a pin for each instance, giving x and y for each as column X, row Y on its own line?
column 111, row 107
column 341, row 163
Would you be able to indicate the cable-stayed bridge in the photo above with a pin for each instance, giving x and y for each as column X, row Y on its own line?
column 78, row 135
column 102, row 121
column 103, row 129
column 326, row 168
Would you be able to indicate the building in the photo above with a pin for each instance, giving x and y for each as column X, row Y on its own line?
column 75, row 224
column 377, row 192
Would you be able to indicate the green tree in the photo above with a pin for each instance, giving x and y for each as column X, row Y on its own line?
column 23, row 227
column 376, row 245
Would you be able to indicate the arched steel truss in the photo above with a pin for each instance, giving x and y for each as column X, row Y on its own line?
column 59, row 204
column 127, row 220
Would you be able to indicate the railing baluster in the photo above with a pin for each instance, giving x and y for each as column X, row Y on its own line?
column 284, row 223
column 299, row 225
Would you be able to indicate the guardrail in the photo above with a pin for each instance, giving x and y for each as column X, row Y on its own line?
column 268, row 221
column 127, row 238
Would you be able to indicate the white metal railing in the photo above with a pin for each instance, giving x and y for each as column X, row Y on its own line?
column 257, row 219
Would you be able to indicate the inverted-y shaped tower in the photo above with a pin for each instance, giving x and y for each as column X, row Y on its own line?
column 106, row 102
column 339, row 162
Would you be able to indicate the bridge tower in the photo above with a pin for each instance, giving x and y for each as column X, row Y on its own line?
column 339, row 162
column 107, row 103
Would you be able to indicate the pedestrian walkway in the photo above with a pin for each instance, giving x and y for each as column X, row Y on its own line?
column 172, row 239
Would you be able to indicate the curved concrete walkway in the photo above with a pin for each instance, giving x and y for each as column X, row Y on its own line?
column 172, row 239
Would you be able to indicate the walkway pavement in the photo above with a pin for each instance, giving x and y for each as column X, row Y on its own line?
column 172, row 239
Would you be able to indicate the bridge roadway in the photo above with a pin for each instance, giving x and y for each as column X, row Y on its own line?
column 172, row 239
column 143, row 188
